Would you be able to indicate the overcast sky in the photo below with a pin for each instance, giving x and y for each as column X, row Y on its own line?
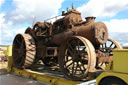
column 16, row 15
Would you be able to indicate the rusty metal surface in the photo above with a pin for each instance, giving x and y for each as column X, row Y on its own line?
column 9, row 79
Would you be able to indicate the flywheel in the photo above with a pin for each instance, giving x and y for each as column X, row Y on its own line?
column 24, row 51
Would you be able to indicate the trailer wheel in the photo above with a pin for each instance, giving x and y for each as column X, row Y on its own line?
column 112, row 81
column 76, row 58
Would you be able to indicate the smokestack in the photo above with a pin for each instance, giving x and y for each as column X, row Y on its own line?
column 90, row 19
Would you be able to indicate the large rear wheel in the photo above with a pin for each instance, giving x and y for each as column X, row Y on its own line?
column 24, row 51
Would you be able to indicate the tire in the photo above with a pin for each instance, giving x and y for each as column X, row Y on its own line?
column 112, row 81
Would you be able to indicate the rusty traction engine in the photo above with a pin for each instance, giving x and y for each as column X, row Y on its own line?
column 78, row 47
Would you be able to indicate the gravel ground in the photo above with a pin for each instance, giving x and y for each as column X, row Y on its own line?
column 9, row 79
column 3, row 67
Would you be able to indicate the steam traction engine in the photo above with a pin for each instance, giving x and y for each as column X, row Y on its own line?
column 77, row 46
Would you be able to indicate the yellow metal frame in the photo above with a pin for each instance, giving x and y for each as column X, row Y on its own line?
column 117, row 68
column 120, row 61
column 41, row 77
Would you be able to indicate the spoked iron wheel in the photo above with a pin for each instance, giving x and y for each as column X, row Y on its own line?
column 107, row 48
column 24, row 51
column 76, row 58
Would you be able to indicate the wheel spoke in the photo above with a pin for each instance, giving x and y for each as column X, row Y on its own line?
column 102, row 46
column 73, row 68
column 111, row 44
column 105, row 45
column 77, row 47
column 84, row 49
column 68, row 60
column 83, row 66
column 18, row 41
column 22, row 61
column 69, row 46
column 78, row 42
column 69, row 65
column 115, row 46
column 70, row 52
column 80, row 68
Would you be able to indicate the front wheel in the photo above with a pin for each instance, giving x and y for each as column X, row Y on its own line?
column 76, row 58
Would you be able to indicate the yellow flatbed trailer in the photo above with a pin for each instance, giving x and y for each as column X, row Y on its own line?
column 117, row 72
column 49, row 78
